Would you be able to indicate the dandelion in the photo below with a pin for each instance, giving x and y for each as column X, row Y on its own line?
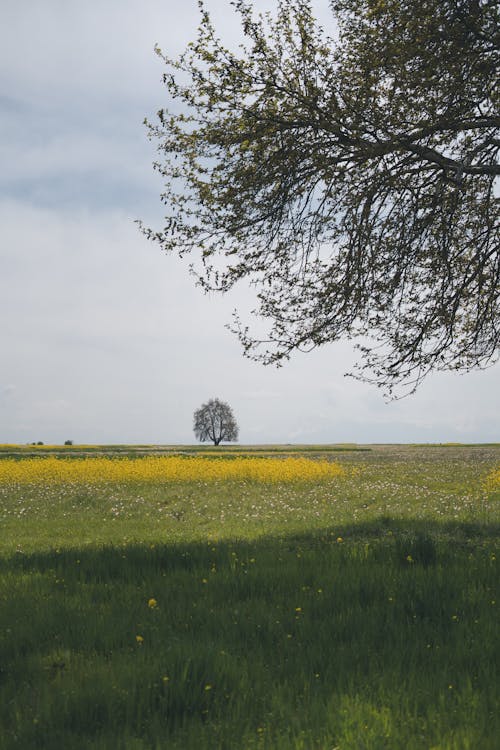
column 152, row 603
column 339, row 539
column 139, row 639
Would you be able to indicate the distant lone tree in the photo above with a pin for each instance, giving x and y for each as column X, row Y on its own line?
column 350, row 178
column 215, row 421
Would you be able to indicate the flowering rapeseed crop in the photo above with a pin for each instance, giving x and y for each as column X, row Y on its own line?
column 493, row 480
column 53, row 470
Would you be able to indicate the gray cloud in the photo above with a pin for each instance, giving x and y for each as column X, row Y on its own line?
column 103, row 338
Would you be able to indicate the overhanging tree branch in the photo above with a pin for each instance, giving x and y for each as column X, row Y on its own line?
column 351, row 180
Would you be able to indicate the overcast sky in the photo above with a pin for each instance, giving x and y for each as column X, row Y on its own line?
column 104, row 339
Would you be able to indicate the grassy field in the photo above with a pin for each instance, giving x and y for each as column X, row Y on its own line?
column 277, row 608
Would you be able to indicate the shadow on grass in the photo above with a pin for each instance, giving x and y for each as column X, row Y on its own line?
column 427, row 542
column 378, row 635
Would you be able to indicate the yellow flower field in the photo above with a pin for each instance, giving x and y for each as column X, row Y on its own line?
column 493, row 480
column 53, row 470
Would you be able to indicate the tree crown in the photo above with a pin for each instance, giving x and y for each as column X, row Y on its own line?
column 350, row 179
column 214, row 421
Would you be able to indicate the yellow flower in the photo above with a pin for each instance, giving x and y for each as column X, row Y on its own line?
column 52, row 470
column 152, row 603
column 139, row 639
column 492, row 481
column 339, row 539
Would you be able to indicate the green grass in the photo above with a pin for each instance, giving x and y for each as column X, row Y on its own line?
column 358, row 614
column 136, row 451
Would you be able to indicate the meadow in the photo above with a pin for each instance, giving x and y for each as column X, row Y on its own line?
column 332, row 597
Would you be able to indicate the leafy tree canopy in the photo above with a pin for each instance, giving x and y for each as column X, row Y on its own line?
column 350, row 178
column 214, row 421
